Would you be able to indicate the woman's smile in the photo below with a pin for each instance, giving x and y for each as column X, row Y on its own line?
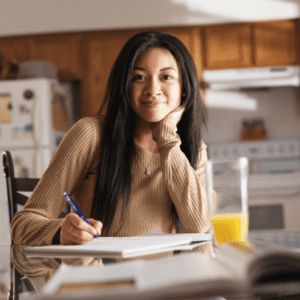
column 153, row 104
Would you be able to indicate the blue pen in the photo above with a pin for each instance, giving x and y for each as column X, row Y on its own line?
column 77, row 210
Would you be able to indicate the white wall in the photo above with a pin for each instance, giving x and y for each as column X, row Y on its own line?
column 18, row 17
column 278, row 107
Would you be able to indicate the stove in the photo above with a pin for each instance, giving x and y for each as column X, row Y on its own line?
column 265, row 157
column 274, row 181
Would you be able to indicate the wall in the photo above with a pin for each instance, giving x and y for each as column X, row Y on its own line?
column 19, row 17
column 279, row 107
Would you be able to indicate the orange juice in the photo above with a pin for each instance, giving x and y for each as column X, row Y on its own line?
column 230, row 227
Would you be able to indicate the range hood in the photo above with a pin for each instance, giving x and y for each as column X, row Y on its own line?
column 245, row 78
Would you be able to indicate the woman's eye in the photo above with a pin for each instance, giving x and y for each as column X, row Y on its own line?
column 167, row 77
column 138, row 77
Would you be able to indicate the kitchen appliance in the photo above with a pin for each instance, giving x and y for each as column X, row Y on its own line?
column 252, row 77
column 34, row 117
column 274, row 181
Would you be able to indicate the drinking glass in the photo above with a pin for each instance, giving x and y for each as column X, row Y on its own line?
column 227, row 192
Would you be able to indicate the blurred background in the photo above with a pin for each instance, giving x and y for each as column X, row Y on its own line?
column 56, row 55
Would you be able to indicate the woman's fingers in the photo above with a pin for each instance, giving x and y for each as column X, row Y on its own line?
column 177, row 113
column 76, row 231
column 97, row 225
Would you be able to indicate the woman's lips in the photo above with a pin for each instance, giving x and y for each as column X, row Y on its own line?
column 153, row 103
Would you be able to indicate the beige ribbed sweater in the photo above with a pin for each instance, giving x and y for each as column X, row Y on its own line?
column 73, row 169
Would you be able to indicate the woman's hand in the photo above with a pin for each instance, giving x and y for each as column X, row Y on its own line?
column 177, row 113
column 76, row 231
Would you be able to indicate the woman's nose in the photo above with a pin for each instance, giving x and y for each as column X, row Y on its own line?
column 153, row 87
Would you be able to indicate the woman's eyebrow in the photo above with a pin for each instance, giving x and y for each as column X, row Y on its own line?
column 167, row 68
column 139, row 68
column 161, row 70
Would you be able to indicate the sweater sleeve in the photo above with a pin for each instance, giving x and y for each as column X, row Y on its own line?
column 186, row 186
column 37, row 222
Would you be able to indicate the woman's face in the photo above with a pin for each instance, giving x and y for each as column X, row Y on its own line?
column 155, row 85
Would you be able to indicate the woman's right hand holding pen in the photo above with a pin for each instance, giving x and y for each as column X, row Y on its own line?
column 76, row 231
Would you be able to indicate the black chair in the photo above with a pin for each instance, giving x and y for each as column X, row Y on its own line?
column 16, row 185
column 14, row 188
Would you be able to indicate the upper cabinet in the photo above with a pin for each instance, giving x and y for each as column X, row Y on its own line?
column 191, row 38
column 16, row 48
column 227, row 46
column 100, row 51
column 61, row 49
column 250, row 45
column 89, row 56
column 274, row 43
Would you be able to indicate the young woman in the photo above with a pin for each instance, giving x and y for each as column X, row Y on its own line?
column 141, row 167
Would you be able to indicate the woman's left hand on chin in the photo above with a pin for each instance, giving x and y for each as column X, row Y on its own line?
column 177, row 113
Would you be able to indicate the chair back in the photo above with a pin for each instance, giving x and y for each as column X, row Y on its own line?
column 14, row 188
column 15, row 185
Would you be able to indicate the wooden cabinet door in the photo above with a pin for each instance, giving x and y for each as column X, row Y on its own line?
column 191, row 38
column 15, row 48
column 101, row 51
column 227, row 46
column 61, row 49
column 275, row 43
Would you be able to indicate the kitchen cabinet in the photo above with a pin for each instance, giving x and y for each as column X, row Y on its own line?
column 191, row 38
column 88, row 57
column 259, row 44
column 15, row 48
column 100, row 52
column 61, row 49
column 227, row 46
column 274, row 43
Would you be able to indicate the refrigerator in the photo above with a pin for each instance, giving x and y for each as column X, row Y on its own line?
column 35, row 114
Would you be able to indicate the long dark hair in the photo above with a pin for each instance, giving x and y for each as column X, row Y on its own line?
column 117, row 141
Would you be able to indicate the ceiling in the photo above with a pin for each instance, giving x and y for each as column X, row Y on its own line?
column 220, row 11
column 18, row 17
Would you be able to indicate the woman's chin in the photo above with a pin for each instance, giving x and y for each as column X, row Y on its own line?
column 152, row 121
column 155, row 119
column 152, row 118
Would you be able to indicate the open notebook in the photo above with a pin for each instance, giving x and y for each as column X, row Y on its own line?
column 123, row 247
column 236, row 268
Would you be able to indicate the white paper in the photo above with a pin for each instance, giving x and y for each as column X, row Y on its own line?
column 123, row 247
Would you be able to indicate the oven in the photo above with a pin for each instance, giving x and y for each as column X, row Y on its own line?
column 274, row 182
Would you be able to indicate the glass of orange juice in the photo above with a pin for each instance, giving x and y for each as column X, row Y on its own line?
column 227, row 192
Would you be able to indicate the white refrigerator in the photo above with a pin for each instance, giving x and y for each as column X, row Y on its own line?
column 35, row 114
